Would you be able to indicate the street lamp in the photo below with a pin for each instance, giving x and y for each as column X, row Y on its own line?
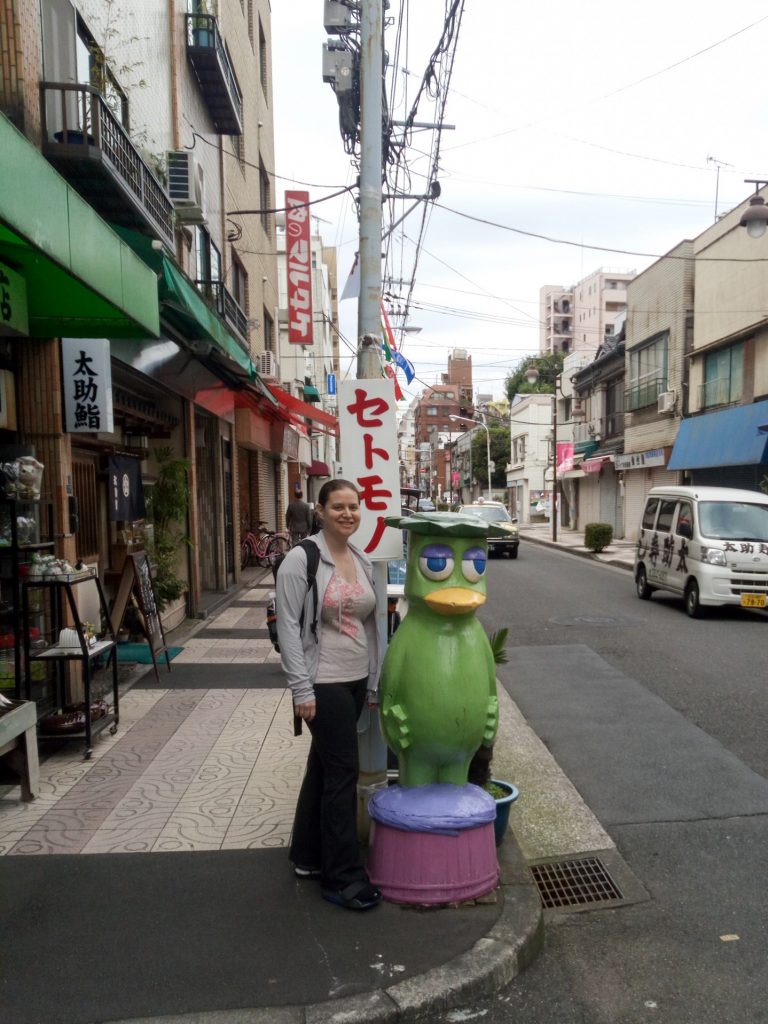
column 755, row 217
column 479, row 423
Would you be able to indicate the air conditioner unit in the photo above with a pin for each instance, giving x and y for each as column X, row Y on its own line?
column 269, row 368
column 186, row 187
column 666, row 402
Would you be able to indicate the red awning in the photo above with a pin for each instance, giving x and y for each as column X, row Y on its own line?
column 318, row 468
column 296, row 406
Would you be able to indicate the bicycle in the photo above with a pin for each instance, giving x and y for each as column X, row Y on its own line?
column 263, row 546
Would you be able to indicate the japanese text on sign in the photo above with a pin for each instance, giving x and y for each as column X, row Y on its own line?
column 87, row 374
column 13, row 303
column 297, row 243
column 368, row 430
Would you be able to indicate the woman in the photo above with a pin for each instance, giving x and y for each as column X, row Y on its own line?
column 329, row 674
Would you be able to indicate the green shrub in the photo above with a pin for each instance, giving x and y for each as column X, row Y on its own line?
column 598, row 536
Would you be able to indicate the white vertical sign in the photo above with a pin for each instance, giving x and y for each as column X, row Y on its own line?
column 368, row 432
column 86, row 372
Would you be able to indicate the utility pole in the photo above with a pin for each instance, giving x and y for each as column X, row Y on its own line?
column 373, row 750
column 369, row 302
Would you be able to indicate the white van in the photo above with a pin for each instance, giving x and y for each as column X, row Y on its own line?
column 708, row 544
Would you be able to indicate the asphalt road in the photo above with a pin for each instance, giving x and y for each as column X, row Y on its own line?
column 659, row 721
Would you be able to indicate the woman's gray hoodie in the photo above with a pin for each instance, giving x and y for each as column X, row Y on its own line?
column 299, row 651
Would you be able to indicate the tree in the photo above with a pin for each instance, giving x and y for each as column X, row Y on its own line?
column 550, row 366
column 499, row 435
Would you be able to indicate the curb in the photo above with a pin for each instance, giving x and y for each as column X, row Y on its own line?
column 581, row 552
column 508, row 948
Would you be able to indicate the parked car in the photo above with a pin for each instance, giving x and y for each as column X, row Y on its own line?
column 495, row 512
column 707, row 544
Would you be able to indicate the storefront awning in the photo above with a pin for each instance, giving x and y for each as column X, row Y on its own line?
column 295, row 405
column 184, row 309
column 318, row 468
column 81, row 279
column 731, row 437
column 311, row 394
column 183, row 306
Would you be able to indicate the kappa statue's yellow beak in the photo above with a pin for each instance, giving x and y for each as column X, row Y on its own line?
column 454, row 600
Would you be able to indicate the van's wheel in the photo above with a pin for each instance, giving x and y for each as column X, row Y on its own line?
column 513, row 553
column 692, row 603
column 641, row 580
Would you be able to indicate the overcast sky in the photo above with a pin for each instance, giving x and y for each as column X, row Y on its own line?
column 587, row 123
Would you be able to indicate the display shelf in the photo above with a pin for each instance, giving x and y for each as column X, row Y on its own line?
column 71, row 652
column 61, row 591
column 19, row 539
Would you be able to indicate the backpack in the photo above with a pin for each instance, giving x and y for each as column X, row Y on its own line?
column 313, row 560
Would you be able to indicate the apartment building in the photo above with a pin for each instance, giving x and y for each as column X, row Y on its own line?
column 579, row 318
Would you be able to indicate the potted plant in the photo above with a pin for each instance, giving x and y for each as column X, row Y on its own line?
column 167, row 506
column 504, row 793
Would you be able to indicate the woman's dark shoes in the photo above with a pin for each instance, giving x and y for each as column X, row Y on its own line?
column 356, row 896
column 301, row 872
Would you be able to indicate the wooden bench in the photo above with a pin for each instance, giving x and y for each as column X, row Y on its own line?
column 18, row 746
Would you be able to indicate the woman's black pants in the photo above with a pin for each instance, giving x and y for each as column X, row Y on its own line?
column 325, row 825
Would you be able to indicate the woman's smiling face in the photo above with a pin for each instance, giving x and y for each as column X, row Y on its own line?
column 341, row 513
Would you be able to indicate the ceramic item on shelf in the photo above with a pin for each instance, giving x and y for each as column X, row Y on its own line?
column 69, row 638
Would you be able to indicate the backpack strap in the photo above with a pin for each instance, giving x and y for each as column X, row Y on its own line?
column 312, row 552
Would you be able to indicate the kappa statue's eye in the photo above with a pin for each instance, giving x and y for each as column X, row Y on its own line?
column 436, row 561
column 473, row 563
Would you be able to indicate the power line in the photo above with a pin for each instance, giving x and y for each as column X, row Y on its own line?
column 602, row 248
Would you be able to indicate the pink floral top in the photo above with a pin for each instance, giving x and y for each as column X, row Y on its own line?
column 343, row 643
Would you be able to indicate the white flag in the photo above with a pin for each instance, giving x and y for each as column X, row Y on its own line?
column 352, row 285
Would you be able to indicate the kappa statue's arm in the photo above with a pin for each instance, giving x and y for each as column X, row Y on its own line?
column 394, row 716
column 492, row 715
column 491, row 721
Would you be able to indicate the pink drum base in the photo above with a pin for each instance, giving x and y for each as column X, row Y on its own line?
column 426, row 869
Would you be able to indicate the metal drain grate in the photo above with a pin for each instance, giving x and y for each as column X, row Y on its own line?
column 574, row 883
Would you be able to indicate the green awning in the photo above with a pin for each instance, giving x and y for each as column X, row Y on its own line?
column 184, row 308
column 82, row 280
column 586, row 448
column 311, row 394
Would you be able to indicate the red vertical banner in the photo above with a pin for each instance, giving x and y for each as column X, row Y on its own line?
column 299, row 264
column 564, row 456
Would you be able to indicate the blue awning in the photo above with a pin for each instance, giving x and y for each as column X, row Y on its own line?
column 731, row 437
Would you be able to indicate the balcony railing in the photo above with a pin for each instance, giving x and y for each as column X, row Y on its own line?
column 716, row 392
column 228, row 308
column 218, row 83
column 644, row 390
column 86, row 143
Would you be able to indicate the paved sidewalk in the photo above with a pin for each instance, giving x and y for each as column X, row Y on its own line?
column 151, row 882
column 619, row 552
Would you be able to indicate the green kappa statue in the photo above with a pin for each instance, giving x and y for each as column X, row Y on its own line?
column 438, row 681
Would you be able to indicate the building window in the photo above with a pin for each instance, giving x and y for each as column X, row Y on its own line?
column 263, row 57
column 238, row 147
column 431, row 410
column 648, row 372
column 614, row 409
column 250, row 22
column 723, row 376
column 239, row 284
column 269, row 333
column 265, row 197
column 207, row 263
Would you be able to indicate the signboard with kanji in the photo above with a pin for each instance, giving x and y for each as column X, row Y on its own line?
column 86, row 372
column 13, row 303
column 368, row 432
